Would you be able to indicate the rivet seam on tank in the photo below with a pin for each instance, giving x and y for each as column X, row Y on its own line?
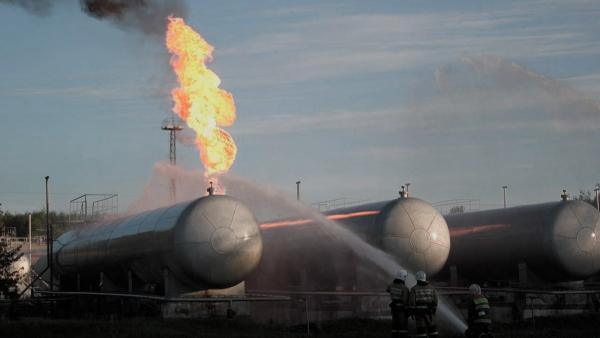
column 408, row 214
column 209, row 221
column 414, row 239
column 576, row 217
column 233, row 214
column 431, row 223
column 229, row 236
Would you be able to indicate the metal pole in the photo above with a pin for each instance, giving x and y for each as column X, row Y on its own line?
column 298, row 190
column 597, row 200
column 504, row 187
column 29, row 242
column 407, row 185
column 307, row 317
column 48, row 237
column 129, row 281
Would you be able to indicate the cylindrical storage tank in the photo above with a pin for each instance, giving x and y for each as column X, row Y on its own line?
column 557, row 240
column 210, row 242
column 415, row 233
column 409, row 229
column 302, row 253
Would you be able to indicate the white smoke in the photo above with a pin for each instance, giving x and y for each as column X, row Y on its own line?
column 157, row 191
column 490, row 92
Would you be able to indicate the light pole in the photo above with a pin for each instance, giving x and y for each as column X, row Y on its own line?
column 298, row 190
column 49, row 237
column 504, row 187
column 597, row 190
column 30, row 243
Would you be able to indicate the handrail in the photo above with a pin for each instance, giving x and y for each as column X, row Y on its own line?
column 215, row 299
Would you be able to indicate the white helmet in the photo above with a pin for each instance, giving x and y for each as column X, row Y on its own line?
column 402, row 274
column 421, row 276
column 475, row 289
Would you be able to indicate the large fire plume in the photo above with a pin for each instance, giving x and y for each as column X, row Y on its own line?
column 198, row 100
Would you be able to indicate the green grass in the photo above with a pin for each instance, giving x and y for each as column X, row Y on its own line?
column 584, row 326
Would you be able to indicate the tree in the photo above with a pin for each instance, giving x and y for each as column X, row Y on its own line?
column 9, row 276
column 586, row 196
column 20, row 221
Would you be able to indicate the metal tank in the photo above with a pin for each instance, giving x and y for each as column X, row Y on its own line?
column 211, row 242
column 409, row 229
column 302, row 254
column 557, row 241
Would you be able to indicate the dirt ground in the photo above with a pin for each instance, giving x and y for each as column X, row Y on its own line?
column 586, row 326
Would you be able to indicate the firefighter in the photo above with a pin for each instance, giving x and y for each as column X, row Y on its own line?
column 399, row 305
column 479, row 319
column 423, row 302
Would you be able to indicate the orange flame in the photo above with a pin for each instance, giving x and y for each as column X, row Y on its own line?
column 470, row 230
column 198, row 100
column 334, row 217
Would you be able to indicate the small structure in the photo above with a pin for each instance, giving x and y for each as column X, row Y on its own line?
column 91, row 207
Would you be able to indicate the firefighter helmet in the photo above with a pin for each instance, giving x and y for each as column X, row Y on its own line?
column 402, row 274
column 475, row 289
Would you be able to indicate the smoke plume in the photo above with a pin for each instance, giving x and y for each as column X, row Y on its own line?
column 148, row 16
column 39, row 7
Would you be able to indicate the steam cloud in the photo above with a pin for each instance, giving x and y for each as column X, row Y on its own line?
column 146, row 16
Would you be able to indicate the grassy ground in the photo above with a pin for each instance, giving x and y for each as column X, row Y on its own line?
column 579, row 326
column 587, row 326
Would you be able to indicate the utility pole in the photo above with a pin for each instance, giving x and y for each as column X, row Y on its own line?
column 597, row 190
column 298, row 190
column 29, row 242
column 504, row 187
column 49, row 237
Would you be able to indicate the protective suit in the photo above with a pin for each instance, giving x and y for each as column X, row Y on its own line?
column 399, row 305
column 423, row 300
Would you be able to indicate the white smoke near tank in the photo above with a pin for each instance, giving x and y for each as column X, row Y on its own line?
column 157, row 193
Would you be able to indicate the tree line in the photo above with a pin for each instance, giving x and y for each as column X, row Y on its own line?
column 587, row 196
column 20, row 222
